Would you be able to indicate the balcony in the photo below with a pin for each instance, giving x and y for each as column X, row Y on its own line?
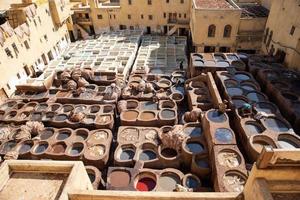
column 109, row 4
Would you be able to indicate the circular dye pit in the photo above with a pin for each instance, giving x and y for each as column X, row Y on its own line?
column 130, row 115
column 222, row 64
column 127, row 154
column 168, row 181
column 216, row 116
column 286, row 143
column 145, row 184
column 192, row 182
column 59, row 148
column 92, row 177
column 276, row 125
column 194, row 147
column 193, row 131
column 238, row 102
column 234, row 91
column 260, row 143
column 169, row 153
column 119, row 178
column 40, row 148
column 47, row 133
column 230, row 83
column 25, row 147
column 256, row 97
column 147, row 116
column 96, row 150
column 241, row 77
column 224, row 135
column 167, row 114
column 61, row 117
column 8, row 146
column 76, row 149
column 229, row 158
column 81, row 135
column 253, row 128
column 234, row 182
column 266, row 107
column 63, row 135
column 147, row 155
column 148, row 105
column 42, row 107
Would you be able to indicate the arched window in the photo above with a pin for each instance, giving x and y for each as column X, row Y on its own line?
column 211, row 30
column 227, row 31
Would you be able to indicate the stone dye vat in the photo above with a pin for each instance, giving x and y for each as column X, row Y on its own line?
column 154, row 149
column 59, row 115
column 261, row 123
column 202, row 92
column 148, row 113
column 166, row 180
column 282, row 85
column 91, row 147
column 151, row 87
column 212, row 62
column 228, row 165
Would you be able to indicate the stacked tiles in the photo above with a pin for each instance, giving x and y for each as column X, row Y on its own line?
column 110, row 52
column 161, row 54
column 261, row 124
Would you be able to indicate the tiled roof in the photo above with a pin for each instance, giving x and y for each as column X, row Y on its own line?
column 214, row 4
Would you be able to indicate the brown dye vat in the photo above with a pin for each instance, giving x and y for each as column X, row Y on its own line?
column 130, row 115
column 169, row 153
column 59, row 148
column 119, row 179
column 147, row 116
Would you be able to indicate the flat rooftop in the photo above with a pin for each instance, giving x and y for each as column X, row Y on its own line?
column 212, row 4
column 253, row 10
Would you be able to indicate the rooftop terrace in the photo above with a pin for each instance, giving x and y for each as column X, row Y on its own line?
column 213, row 4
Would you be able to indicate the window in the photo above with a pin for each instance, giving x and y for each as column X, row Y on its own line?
column 167, row 1
column 150, row 17
column 227, row 31
column 209, row 49
column 211, row 30
column 34, row 22
column 26, row 44
column 179, row 15
column 129, row 2
column 142, row 16
column 129, row 16
column 110, row 16
column 292, row 30
column 46, row 37
column 266, row 35
column 14, row 46
column 99, row 16
column 181, row 1
column 131, row 28
column 40, row 21
column 8, row 86
column 270, row 38
column 18, row 75
column 149, row 2
column 114, row 16
column 184, row 15
column 165, row 15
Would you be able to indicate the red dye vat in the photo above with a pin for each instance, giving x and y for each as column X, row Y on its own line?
column 145, row 184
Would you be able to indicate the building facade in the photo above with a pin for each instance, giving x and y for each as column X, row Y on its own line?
column 213, row 25
column 32, row 33
column 282, row 34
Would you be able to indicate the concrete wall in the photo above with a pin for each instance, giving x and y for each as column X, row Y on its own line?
column 285, row 14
